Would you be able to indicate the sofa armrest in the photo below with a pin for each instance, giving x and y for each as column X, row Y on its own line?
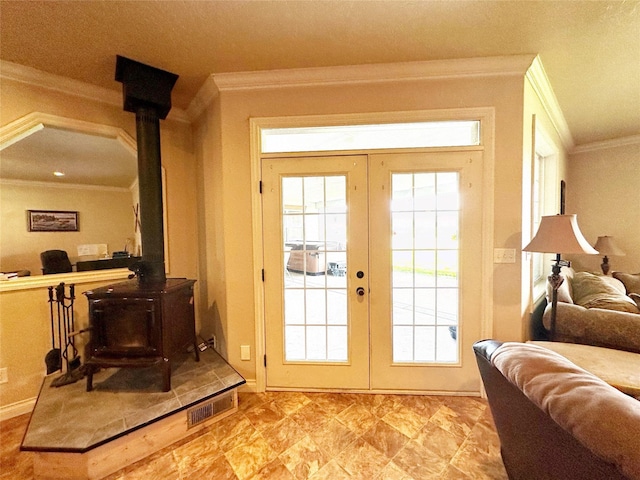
column 599, row 417
column 535, row 405
column 595, row 326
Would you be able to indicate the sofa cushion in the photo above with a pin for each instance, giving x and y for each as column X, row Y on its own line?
column 600, row 417
column 631, row 281
column 595, row 291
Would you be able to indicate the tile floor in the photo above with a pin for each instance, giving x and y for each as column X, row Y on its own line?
column 286, row 435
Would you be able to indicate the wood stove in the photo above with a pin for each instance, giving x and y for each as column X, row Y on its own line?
column 148, row 320
column 141, row 326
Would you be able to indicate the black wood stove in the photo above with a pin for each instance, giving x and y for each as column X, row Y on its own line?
column 140, row 325
column 149, row 319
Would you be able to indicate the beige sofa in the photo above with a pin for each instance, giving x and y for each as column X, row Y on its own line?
column 597, row 310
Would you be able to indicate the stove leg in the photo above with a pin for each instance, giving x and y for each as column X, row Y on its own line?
column 166, row 375
column 89, row 378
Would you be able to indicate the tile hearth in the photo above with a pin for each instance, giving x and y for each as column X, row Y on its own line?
column 70, row 419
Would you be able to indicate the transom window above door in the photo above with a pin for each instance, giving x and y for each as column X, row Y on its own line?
column 454, row 133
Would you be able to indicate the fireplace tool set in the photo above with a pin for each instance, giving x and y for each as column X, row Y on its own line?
column 63, row 334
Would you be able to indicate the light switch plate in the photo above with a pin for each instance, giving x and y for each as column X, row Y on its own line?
column 245, row 352
column 504, row 255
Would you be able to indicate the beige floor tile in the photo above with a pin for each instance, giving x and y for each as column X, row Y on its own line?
column 265, row 415
column 419, row 462
column 393, row 472
column 283, row 435
column 311, row 417
column 248, row 458
column 274, row 470
column 405, row 420
column 386, row 439
column 438, row 440
column 333, row 438
column 357, row 418
column 331, row 471
column 304, row 458
column 291, row 402
column 292, row 435
column 361, row 460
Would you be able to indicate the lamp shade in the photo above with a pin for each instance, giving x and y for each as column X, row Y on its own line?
column 559, row 234
column 606, row 246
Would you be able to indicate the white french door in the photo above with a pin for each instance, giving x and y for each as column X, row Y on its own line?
column 425, row 246
column 372, row 271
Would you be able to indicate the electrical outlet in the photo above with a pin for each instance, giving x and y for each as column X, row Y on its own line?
column 4, row 375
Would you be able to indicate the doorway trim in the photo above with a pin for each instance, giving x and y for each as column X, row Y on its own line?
column 486, row 115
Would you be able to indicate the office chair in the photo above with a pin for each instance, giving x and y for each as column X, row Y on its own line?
column 55, row 261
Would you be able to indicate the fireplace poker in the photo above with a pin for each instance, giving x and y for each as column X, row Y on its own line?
column 53, row 359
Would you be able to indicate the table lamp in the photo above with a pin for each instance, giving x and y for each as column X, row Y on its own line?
column 606, row 246
column 558, row 234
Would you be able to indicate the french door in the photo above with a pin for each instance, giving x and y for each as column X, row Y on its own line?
column 372, row 271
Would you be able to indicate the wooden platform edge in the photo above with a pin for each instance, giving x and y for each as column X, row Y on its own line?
column 123, row 451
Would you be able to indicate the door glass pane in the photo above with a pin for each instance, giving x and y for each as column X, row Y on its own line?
column 362, row 137
column 425, row 250
column 314, row 219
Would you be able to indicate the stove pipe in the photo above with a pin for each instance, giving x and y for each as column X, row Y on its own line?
column 147, row 92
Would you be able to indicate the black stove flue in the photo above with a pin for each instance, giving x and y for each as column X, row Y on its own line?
column 147, row 92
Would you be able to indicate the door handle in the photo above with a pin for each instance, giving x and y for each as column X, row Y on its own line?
column 360, row 291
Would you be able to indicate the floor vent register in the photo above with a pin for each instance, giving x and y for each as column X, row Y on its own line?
column 209, row 409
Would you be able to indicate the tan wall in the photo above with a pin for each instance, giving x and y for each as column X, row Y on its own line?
column 233, row 239
column 603, row 188
column 104, row 216
column 213, row 300
column 536, row 123
column 24, row 324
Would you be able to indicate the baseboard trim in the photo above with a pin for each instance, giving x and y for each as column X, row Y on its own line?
column 17, row 409
column 249, row 387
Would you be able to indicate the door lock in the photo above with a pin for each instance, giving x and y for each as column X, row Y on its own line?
column 360, row 291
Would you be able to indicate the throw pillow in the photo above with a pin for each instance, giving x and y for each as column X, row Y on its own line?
column 564, row 291
column 594, row 291
column 631, row 281
column 636, row 298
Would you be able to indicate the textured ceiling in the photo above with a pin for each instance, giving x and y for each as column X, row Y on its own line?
column 589, row 49
column 84, row 159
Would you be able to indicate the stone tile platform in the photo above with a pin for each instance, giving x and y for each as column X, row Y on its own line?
column 126, row 405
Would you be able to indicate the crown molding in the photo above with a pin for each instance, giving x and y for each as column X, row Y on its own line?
column 35, row 121
column 68, row 86
column 67, row 186
column 540, row 82
column 374, row 73
column 58, row 83
column 206, row 94
column 606, row 144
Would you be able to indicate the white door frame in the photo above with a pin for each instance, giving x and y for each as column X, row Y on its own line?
column 486, row 116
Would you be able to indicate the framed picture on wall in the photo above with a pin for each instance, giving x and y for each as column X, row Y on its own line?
column 52, row 221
